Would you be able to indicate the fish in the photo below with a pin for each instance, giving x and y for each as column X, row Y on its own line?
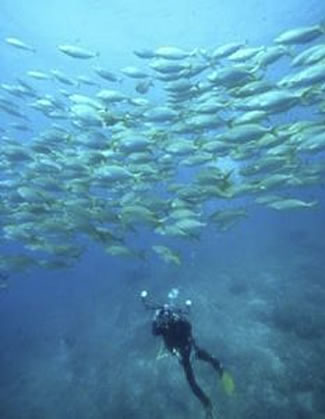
column 280, row 149
column 274, row 180
column 301, row 35
column 189, row 226
column 85, row 100
column 267, row 199
column 134, row 72
column 77, row 52
column 140, row 157
column 315, row 143
column 183, row 212
column 129, row 142
column 113, row 173
column 225, row 50
column 16, row 153
column 6, row 102
column 216, row 146
column 61, row 77
column 307, row 77
column 252, row 88
column 118, row 250
column 38, row 75
column 137, row 213
column 17, row 43
column 166, row 254
column 309, row 56
column 86, row 80
column 205, row 121
column 211, row 106
column 273, row 101
column 143, row 86
column 86, row 116
column 291, row 203
column 160, row 114
column 250, row 117
column 244, row 54
column 232, row 76
column 110, row 96
column 17, row 263
column 178, row 86
column 271, row 54
column 145, row 53
column 15, row 90
column 180, row 147
column 166, row 67
column 20, row 127
column 105, row 74
column 172, row 53
column 13, row 111
column 43, row 104
column 246, row 132
column 166, row 76
column 227, row 218
column 139, row 101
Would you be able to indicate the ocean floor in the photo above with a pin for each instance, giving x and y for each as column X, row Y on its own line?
column 260, row 311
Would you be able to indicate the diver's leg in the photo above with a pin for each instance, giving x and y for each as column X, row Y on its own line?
column 204, row 399
column 205, row 356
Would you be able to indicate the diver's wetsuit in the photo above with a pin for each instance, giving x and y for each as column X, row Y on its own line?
column 176, row 331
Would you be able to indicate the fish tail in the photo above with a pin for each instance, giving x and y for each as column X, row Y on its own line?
column 290, row 51
column 312, row 203
column 322, row 25
column 195, row 52
column 306, row 95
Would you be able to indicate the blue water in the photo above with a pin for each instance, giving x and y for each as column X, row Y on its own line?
column 76, row 343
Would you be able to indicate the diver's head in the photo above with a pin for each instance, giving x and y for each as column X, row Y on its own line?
column 165, row 316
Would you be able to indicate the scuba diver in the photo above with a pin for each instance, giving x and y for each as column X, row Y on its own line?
column 176, row 330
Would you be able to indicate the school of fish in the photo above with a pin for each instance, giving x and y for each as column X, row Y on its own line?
column 182, row 142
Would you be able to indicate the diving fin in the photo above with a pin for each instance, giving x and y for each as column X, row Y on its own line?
column 228, row 383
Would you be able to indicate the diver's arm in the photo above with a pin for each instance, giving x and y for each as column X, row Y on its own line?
column 149, row 305
column 156, row 330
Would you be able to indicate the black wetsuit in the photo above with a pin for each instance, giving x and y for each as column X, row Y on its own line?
column 176, row 331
